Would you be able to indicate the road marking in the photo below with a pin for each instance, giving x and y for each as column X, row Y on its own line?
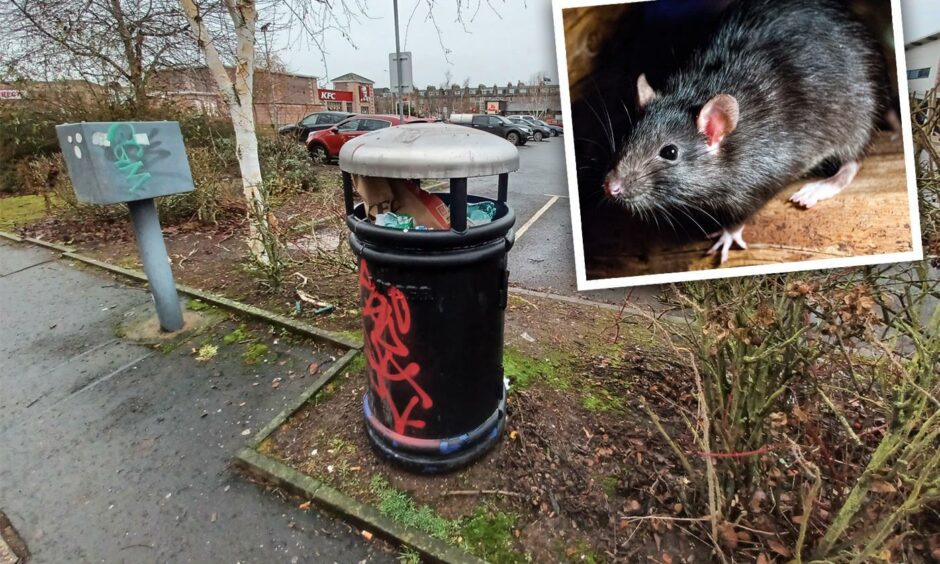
column 535, row 217
column 559, row 195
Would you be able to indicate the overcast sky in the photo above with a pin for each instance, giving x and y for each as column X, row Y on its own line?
column 495, row 49
column 920, row 17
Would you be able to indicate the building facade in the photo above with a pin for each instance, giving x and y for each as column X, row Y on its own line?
column 540, row 100
column 280, row 98
column 923, row 64
column 361, row 93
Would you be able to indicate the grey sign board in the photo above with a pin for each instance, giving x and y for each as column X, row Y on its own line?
column 112, row 162
column 407, row 83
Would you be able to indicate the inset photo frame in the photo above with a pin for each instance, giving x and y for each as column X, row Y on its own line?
column 724, row 138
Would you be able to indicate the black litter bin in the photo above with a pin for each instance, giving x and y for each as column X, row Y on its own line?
column 433, row 302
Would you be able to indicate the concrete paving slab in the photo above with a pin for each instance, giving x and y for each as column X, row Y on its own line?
column 16, row 257
column 130, row 462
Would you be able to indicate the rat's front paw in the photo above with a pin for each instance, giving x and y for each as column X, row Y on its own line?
column 727, row 237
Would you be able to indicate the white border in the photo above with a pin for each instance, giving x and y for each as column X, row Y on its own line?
column 916, row 254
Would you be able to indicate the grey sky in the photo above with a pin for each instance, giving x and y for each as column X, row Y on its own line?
column 514, row 45
column 920, row 17
column 495, row 49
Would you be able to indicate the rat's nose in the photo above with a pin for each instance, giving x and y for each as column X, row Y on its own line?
column 613, row 186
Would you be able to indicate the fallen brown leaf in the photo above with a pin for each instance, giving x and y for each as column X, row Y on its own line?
column 779, row 548
column 729, row 537
column 880, row 486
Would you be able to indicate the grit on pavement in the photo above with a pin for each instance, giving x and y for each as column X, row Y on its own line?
column 116, row 452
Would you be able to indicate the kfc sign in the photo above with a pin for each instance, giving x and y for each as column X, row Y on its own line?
column 365, row 92
column 335, row 95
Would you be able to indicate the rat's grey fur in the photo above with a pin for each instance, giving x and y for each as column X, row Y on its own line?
column 808, row 78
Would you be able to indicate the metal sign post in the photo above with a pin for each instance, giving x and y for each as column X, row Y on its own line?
column 133, row 163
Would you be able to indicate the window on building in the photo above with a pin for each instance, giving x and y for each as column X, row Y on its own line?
column 349, row 107
column 364, row 109
column 914, row 74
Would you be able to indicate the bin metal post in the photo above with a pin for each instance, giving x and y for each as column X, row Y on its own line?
column 348, row 192
column 458, row 204
column 503, row 187
column 152, row 251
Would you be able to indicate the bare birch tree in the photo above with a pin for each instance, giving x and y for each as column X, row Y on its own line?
column 237, row 90
column 103, row 41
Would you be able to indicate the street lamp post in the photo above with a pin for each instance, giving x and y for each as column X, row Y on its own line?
column 401, row 102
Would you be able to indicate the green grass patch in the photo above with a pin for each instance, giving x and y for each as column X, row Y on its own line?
column 610, row 484
column 196, row 305
column 599, row 400
column 409, row 555
column 254, row 353
column 486, row 534
column 398, row 505
column 20, row 210
column 357, row 364
column 524, row 371
column 237, row 336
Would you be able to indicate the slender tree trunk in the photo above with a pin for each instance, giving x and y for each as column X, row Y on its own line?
column 237, row 93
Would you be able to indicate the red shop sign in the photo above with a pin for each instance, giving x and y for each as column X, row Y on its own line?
column 335, row 95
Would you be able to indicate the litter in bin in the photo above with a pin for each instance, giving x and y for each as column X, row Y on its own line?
column 405, row 198
column 394, row 220
column 480, row 213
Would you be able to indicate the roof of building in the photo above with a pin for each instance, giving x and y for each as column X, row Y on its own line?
column 258, row 70
column 352, row 77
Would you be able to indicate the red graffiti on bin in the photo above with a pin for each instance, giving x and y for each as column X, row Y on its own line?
column 385, row 352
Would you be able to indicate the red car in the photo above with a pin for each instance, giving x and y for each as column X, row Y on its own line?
column 325, row 144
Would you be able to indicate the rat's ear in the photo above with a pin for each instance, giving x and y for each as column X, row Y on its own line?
column 718, row 118
column 644, row 92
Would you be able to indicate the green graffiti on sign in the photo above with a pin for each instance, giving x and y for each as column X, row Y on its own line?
column 129, row 153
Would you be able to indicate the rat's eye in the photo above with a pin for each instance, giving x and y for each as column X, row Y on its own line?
column 669, row 152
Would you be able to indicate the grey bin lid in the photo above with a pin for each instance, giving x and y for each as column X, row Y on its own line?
column 428, row 150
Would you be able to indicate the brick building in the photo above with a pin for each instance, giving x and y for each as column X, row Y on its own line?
column 280, row 98
column 541, row 100
column 362, row 90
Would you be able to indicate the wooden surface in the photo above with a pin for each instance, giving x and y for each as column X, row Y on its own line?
column 870, row 217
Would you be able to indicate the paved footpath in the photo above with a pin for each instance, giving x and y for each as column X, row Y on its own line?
column 116, row 452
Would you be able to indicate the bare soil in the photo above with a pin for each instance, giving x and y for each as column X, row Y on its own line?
column 575, row 463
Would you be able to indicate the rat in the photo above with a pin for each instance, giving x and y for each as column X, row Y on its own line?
column 782, row 89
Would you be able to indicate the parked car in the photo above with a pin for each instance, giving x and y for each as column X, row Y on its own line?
column 497, row 125
column 324, row 145
column 539, row 132
column 313, row 122
column 555, row 129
